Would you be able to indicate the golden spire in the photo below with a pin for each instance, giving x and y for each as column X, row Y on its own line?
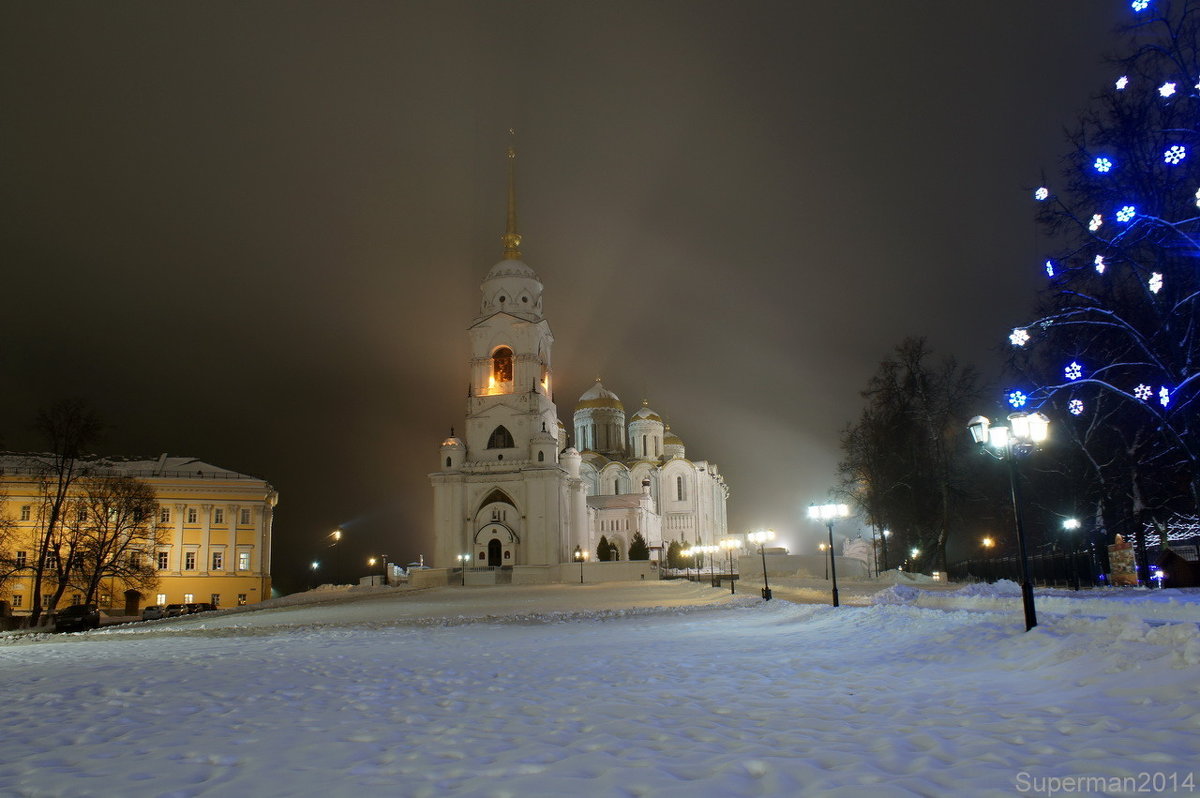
column 511, row 238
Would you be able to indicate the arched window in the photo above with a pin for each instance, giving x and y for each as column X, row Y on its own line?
column 678, row 487
column 501, row 438
column 541, row 457
column 502, row 364
column 447, row 462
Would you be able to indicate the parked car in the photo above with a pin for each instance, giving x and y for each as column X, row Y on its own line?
column 154, row 612
column 200, row 606
column 77, row 618
column 175, row 610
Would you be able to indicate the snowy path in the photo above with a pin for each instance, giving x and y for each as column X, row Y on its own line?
column 404, row 695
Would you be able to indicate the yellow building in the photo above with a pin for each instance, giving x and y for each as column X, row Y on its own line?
column 214, row 534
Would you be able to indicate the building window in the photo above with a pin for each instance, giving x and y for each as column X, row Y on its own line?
column 645, row 453
column 679, row 488
column 502, row 365
column 21, row 559
column 541, row 457
column 218, row 560
column 216, row 599
column 192, row 515
column 241, row 599
column 46, row 601
column 189, row 561
column 245, row 517
column 160, row 599
column 164, row 515
column 218, row 516
column 243, row 561
column 501, row 438
column 76, row 600
column 135, row 559
column 17, row 599
column 26, row 510
column 163, row 557
column 189, row 598
column 81, row 516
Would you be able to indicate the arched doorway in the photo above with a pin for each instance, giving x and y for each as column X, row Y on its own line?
column 495, row 556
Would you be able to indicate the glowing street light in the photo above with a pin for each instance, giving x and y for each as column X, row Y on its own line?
column 729, row 544
column 580, row 557
column 464, row 559
column 988, row 543
column 830, row 513
column 336, row 536
column 823, row 547
column 1027, row 431
column 760, row 538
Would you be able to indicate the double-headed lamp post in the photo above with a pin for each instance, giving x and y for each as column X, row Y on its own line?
column 760, row 539
column 580, row 557
column 729, row 544
column 829, row 513
column 1007, row 443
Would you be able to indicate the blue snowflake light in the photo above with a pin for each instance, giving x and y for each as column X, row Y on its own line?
column 1126, row 214
column 1041, row 194
column 1166, row 90
column 1140, row 5
column 1143, row 391
column 1075, row 406
column 1099, row 264
column 1164, row 396
column 1095, row 223
column 1017, row 398
column 1155, row 283
column 1103, row 165
column 1175, row 154
column 1019, row 337
column 1122, row 82
column 1050, row 263
column 1073, row 371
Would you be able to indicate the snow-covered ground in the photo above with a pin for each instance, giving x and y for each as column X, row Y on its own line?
column 642, row 689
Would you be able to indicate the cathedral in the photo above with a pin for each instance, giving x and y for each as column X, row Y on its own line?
column 513, row 492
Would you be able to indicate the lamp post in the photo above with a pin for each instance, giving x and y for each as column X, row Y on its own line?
column 760, row 538
column 464, row 559
column 729, row 544
column 580, row 556
column 823, row 547
column 829, row 513
column 1070, row 525
column 315, row 565
column 687, row 565
column 1027, row 431
column 337, row 554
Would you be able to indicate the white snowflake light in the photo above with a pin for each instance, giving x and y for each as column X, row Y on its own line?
column 1166, row 90
column 1140, row 5
column 1126, row 213
column 1143, row 392
column 1095, row 223
column 1198, row 198
column 1050, row 263
column 1099, row 264
column 1164, row 396
column 1075, row 406
column 1041, row 194
column 1175, row 154
column 1018, row 398
column 1019, row 337
column 1103, row 165
column 1073, row 371
column 1122, row 82
column 1155, row 283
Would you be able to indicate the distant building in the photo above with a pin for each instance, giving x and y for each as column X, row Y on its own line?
column 215, row 532
column 511, row 492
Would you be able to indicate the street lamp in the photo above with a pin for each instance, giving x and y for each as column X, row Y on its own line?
column 687, row 553
column 729, row 544
column 988, row 543
column 830, row 513
column 1027, row 431
column 1071, row 524
column 823, row 547
column 464, row 559
column 760, row 539
column 337, row 553
column 580, row 556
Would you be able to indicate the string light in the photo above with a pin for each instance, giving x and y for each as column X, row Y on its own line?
column 1073, row 371
column 1075, row 407
column 1041, row 194
column 1050, row 263
column 1095, row 223
column 1019, row 337
column 1166, row 90
column 1099, row 264
column 1175, row 154
column 1143, row 392
column 1122, row 82
column 1017, row 398
column 1155, row 283
column 1126, row 213
column 1164, row 396
column 1103, row 165
column 1140, row 5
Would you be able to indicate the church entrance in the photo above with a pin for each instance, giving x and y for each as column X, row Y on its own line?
column 494, row 553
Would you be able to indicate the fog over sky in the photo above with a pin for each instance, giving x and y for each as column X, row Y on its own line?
column 254, row 232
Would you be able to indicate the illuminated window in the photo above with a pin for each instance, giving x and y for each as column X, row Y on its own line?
column 502, row 365
column 160, row 599
column 501, row 438
column 189, row 598
column 243, row 561
column 163, row 557
column 241, row 599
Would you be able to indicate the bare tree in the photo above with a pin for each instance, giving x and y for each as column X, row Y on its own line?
column 115, row 534
column 67, row 427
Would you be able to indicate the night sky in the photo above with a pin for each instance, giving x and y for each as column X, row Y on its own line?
column 254, row 232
